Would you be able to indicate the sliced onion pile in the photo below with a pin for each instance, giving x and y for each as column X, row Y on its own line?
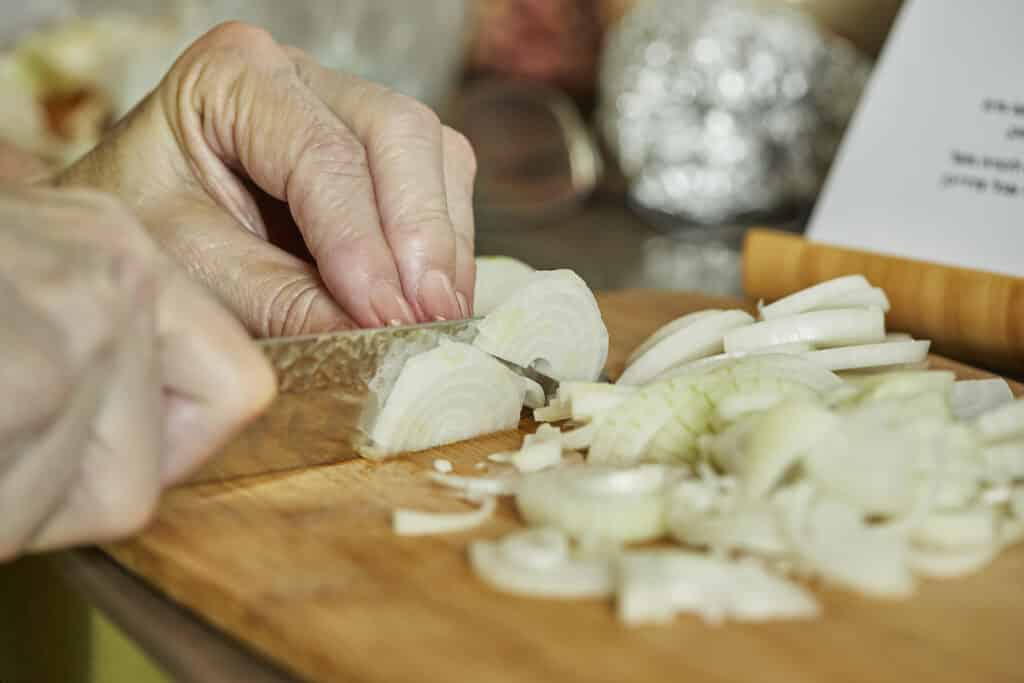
column 756, row 466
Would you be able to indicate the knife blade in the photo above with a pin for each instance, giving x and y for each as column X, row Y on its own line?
column 325, row 393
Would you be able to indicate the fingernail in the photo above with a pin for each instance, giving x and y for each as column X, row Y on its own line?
column 463, row 304
column 390, row 306
column 436, row 296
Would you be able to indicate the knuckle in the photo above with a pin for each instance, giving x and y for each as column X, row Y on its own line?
column 459, row 150
column 426, row 218
column 238, row 34
column 290, row 309
column 406, row 117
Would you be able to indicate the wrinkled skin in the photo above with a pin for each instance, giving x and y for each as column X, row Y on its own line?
column 119, row 374
column 249, row 155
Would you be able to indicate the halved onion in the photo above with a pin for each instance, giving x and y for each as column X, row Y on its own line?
column 497, row 278
column 590, row 501
column 538, row 563
column 819, row 296
column 822, row 328
column 879, row 355
column 701, row 338
column 553, row 318
column 448, row 394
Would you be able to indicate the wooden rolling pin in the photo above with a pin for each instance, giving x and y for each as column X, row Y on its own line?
column 970, row 315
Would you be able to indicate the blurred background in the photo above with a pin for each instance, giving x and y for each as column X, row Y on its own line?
column 631, row 140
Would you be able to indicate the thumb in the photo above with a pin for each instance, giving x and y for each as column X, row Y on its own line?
column 272, row 292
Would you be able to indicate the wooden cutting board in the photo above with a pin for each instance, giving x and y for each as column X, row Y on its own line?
column 304, row 567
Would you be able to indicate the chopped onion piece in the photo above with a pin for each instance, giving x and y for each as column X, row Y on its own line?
column 711, row 362
column 656, row 585
column 555, row 411
column 732, row 408
column 898, row 336
column 844, row 550
column 441, row 465
column 474, row 486
column 821, row 328
column 818, row 296
column 972, row 397
column 871, row 355
column 537, row 456
column 1003, row 461
column 957, row 529
column 616, row 504
column 417, row 523
column 945, row 563
column 903, row 383
column 699, row 339
column 668, row 329
column 497, row 278
column 706, row 514
column 771, row 444
column 533, row 396
column 553, row 317
column 580, row 438
column 590, row 400
column 450, row 393
column 1002, row 423
column 537, row 563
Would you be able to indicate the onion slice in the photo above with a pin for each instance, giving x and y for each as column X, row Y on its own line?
column 701, row 338
column 538, row 563
column 417, row 523
column 819, row 296
column 591, row 501
column 821, row 328
column 668, row 329
column 870, row 355
column 553, row 318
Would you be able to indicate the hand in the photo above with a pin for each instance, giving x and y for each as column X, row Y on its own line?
column 246, row 140
column 118, row 375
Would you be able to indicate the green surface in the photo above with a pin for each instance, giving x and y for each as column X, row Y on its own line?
column 48, row 633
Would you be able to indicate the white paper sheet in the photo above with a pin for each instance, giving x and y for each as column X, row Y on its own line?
column 932, row 166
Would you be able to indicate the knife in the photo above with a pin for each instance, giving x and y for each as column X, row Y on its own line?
column 324, row 395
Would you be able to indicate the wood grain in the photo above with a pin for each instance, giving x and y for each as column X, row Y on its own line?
column 303, row 567
column 970, row 315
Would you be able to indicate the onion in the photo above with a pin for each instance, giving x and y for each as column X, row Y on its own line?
column 939, row 563
column 1004, row 461
column 441, row 465
column 843, row 550
column 656, row 585
column 769, row 445
column 533, row 393
column 702, row 514
column 540, row 450
column 1002, row 423
column 957, row 529
column 872, row 297
column 701, row 338
column 416, row 523
column 474, row 486
column 615, row 504
column 732, row 408
column 588, row 400
column 821, row 328
column 497, row 278
column 537, row 563
column 553, row 318
column 1017, row 504
column 668, row 329
column 817, row 297
column 902, row 384
column 972, row 397
column 580, row 438
column 556, row 411
column 710, row 362
column 871, row 355
column 450, row 393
